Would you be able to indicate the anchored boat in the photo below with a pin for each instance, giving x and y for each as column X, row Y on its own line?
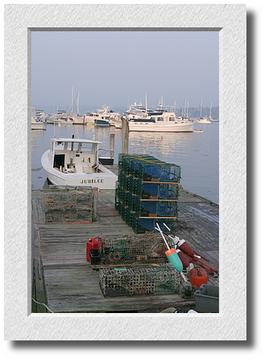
column 37, row 125
column 163, row 121
column 76, row 162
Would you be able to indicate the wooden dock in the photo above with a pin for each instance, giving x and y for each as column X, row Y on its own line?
column 69, row 284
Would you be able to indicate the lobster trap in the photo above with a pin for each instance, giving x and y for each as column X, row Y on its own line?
column 141, row 280
column 128, row 250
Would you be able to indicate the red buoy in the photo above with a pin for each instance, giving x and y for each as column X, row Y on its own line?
column 94, row 243
column 198, row 277
column 186, row 260
column 183, row 246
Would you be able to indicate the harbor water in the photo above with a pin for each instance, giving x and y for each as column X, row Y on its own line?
column 197, row 153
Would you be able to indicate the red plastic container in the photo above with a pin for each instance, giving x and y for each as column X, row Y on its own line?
column 94, row 243
column 198, row 277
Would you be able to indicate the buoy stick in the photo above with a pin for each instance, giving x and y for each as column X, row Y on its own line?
column 166, row 227
column 162, row 235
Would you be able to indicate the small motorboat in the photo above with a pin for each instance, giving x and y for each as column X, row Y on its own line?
column 76, row 162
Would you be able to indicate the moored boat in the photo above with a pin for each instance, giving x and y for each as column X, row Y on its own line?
column 104, row 117
column 204, row 120
column 37, row 125
column 76, row 162
column 160, row 122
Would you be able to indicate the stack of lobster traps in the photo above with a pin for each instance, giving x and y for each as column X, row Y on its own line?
column 147, row 191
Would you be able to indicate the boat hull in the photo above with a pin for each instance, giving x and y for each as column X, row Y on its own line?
column 101, row 123
column 105, row 179
column 37, row 126
column 155, row 127
column 204, row 122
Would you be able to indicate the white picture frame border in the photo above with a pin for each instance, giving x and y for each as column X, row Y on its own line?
column 230, row 323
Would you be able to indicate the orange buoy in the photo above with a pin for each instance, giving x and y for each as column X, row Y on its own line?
column 198, row 277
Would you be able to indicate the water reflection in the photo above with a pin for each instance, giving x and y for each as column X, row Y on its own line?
column 159, row 143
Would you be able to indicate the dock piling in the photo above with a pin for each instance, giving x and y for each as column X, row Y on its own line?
column 125, row 135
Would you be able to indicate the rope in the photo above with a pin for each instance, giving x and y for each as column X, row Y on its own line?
column 37, row 302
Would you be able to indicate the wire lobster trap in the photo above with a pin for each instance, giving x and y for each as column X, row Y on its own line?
column 141, row 280
column 130, row 250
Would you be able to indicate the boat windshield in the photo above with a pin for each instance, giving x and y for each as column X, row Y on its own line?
column 75, row 146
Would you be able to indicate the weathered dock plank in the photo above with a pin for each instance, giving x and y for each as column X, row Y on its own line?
column 71, row 283
column 69, row 286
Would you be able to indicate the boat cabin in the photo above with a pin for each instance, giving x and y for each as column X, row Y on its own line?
column 75, row 155
column 156, row 117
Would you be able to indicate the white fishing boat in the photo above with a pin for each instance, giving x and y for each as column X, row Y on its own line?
column 76, row 162
column 160, row 121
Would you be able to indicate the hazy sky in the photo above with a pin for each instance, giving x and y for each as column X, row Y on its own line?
column 117, row 68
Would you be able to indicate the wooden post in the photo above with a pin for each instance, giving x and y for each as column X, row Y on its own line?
column 125, row 135
column 112, row 145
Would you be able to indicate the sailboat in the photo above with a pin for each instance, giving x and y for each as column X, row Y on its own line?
column 204, row 119
column 76, row 118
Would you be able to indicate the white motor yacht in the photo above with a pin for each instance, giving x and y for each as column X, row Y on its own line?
column 160, row 122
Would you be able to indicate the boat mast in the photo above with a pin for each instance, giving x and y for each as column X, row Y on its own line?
column 210, row 111
column 78, row 103
column 72, row 102
column 146, row 102
column 201, row 108
column 187, row 108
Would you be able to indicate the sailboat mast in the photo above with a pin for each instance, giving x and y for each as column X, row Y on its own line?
column 78, row 103
column 72, row 101
column 146, row 102
column 185, row 108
